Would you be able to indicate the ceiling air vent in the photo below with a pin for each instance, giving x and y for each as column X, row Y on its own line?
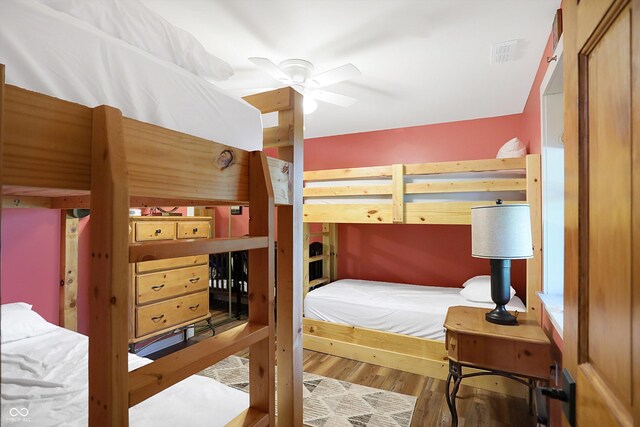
column 503, row 52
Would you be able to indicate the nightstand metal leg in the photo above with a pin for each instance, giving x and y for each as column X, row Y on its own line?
column 455, row 373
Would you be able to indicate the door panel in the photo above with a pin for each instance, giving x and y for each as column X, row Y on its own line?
column 609, row 147
column 602, row 209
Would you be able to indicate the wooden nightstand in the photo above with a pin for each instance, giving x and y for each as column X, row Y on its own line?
column 516, row 352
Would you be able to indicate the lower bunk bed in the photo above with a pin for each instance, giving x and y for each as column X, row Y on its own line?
column 398, row 326
column 45, row 381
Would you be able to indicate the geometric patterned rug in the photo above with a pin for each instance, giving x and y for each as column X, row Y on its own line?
column 329, row 402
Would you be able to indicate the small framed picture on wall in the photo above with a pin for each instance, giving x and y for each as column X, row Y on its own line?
column 236, row 210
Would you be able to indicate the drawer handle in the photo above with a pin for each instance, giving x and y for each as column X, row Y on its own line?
column 156, row 319
column 194, row 280
column 195, row 230
column 157, row 287
column 194, row 307
column 159, row 231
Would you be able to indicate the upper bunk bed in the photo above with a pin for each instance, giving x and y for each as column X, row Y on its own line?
column 112, row 129
column 426, row 193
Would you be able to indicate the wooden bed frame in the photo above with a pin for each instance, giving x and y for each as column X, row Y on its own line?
column 59, row 155
column 407, row 353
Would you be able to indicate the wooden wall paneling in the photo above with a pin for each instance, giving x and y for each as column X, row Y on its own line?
column 534, row 265
column 261, row 293
column 290, row 273
column 68, row 271
column 108, row 293
column 397, row 194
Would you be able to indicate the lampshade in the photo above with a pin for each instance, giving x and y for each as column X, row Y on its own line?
column 501, row 232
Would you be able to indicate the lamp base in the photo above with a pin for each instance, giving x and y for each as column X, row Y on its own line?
column 501, row 316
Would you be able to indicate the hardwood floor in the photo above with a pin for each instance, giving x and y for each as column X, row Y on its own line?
column 475, row 407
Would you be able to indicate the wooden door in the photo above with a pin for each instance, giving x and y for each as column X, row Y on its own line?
column 602, row 216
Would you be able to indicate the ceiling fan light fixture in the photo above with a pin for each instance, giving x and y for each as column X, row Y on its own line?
column 309, row 105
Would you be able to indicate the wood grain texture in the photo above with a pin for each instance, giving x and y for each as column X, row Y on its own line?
column 476, row 407
column 291, row 272
column 597, row 404
column 635, row 206
column 167, row 284
column 465, row 166
column 47, row 141
column 165, row 264
column 402, row 352
column 261, row 292
column 350, row 173
column 534, row 265
column 140, row 252
column 275, row 100
column 349, row 190
column 152, row 378
column 68, row 271
column 397, row 193
column 179, row 310
column 108, row 290
column 609, row 231
column 282, row 180
column 26, row 202
column 277, row 136
column 195, row 164
column 250, row 417
column 499, row 184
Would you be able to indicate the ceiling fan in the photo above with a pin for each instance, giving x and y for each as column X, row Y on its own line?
column 298, row 74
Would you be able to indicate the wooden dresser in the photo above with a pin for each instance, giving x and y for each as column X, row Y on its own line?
column 170, row 293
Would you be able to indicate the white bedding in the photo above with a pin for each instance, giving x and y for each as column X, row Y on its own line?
column 44, row 378
column 431, row 197
column 56, row 54
column 392, row 307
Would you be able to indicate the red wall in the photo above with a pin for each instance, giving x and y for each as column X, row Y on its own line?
column 531, row 132
column 419, row 254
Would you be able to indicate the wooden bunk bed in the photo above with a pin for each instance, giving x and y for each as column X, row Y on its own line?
column 60, row 155
column 338, row 190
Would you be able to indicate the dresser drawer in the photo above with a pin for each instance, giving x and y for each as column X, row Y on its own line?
column 155, row 317
column 155, row 230
column 166, row 264
column 167, row 284
column 193, row 229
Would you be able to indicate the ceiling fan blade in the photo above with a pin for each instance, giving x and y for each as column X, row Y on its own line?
column 270, row 68
column 333, row 98
column 336, row 75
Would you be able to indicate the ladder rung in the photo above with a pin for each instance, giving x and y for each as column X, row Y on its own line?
column 151, row 379
column 318, row 258
column 250, row 417
column 149, row 251
column 318, row 281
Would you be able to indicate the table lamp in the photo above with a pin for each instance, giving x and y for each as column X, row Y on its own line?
column 501, row 233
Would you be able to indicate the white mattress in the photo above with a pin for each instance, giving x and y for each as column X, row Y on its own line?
column 58, row 55
column 47, row 376
column 392, row 307
column 431, row 197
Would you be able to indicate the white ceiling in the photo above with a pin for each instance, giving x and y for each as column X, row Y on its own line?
column 422, row 61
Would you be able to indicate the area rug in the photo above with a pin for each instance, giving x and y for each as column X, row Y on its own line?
column 329, row 402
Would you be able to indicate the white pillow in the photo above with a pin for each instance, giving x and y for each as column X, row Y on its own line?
column 512, row 148
column 132, row 22
column 18, row 322
column 474, row 279
column 480, row 291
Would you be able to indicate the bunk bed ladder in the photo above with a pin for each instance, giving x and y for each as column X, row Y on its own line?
column 112, row 389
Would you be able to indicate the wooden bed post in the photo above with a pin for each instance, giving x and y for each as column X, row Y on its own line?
column 534, row 265
column 108, row 291
column 261, row 292
column 68, row 271
column 288, row 137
